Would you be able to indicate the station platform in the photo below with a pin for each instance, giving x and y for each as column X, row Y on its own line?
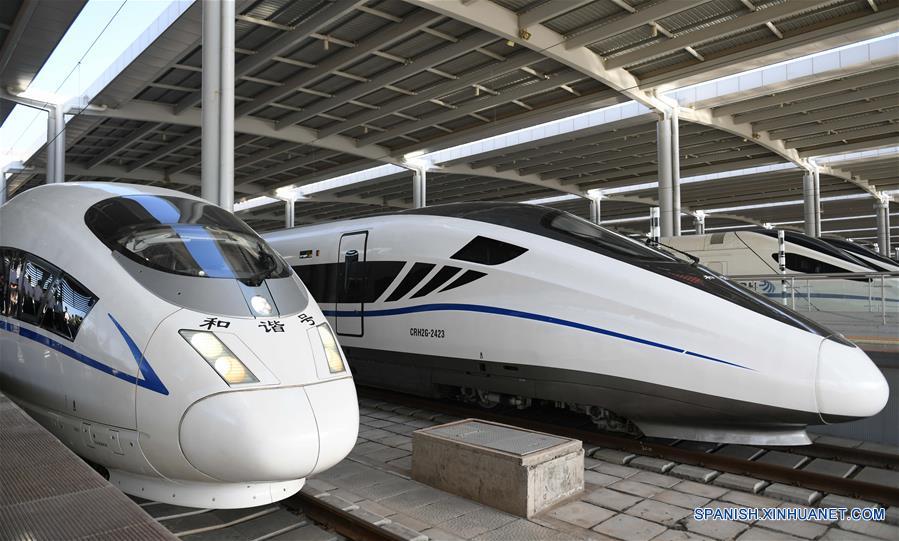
column 47, row 492
column 625, row 498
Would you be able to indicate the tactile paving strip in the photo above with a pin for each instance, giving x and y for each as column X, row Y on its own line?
column 500, row 438
column 46, row 492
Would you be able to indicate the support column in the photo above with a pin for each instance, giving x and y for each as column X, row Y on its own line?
column 419, row 187
column 289, row 212
column 666, row 195
column 56, row 144
column 595, row 198
column 217, row 117
column 882, row 209
column 816, row 179
column 699, row 222
column 675, row 173
column 654, row 226
column 808, row 192
column 2, row 187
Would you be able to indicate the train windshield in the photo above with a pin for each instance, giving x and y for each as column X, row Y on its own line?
column 552, row 223
column 183, row 236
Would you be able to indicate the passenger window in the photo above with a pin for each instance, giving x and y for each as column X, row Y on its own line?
column 488, row 251
column 68, row 305
column 4, row 277
column 34, row 287
column 808, row 265
column 14, row 274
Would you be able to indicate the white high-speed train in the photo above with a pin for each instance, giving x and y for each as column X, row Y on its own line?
column 158, row 336
column 512, row 302
column 757, row 252
column 869, row 257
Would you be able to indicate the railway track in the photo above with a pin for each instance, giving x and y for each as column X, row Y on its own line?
column 568, row 426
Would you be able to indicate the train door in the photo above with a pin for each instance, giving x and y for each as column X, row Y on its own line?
column 351, row 284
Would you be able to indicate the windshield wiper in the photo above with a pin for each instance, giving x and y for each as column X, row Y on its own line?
column 654, row 243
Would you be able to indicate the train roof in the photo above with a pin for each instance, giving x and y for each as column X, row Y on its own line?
column 815, row 244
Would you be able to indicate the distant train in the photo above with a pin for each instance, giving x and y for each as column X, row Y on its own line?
column 757, row 252
column 869, row 257
column 512, row 303
column 159, row 337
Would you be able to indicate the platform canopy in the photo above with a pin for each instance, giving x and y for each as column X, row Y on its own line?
column 517, row 100
column 29, row 31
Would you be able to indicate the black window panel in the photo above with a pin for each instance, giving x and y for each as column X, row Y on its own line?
column 380, row 275
column 322, row 279
column 808, row 265
column 35, row 286
column 438, row 280
column 412, row 279
column 816, row 245
column 551, row 223
column 68, row 305
column 884, row 264
column 467, row 277
column 488, row 251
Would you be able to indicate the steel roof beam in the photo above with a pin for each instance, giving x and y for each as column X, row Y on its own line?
column 647, row 15
column 374, row 41
column 290, row 165
column 436, row 56
column 604, row 183
column 797, row 44
column 570, row 141
column 239, row 142
column 545, row 113
column 503, row 22
column 809, row 91
column 836, row 124
column 827, row 114
column 846, row 147
column 158, row 112
column 548, row 10
column 689, row 39
column 475, row 105
column 283, row 43
column 133, row 137
column 832, row 100
column 165, row 150
column 478, row 75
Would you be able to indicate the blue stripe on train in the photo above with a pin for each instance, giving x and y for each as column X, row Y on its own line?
column 149, row 380
column 445, row 307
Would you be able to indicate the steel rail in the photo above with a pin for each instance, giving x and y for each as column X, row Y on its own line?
column 343, row 522
column 768, row 472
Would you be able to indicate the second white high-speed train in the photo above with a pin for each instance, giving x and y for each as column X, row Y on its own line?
column 159, row 337
column 513, row 303
column 757, row 252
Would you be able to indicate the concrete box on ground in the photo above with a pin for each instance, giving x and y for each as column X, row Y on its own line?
column 518, row 471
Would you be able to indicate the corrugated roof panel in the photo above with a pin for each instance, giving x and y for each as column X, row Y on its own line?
column 355, row 25
column 585, row 17
column 673, row 59
column 519, row 6
column 638, row 37
column 805, row 20
column 756, row 36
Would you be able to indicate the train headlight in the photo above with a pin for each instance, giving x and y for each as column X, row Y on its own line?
column 219, row 357
column 332, row 351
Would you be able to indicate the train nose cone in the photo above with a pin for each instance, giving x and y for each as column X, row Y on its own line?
column 849, row 385
column 258, row 435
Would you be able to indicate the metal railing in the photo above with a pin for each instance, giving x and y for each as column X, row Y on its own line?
column 841, row 292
